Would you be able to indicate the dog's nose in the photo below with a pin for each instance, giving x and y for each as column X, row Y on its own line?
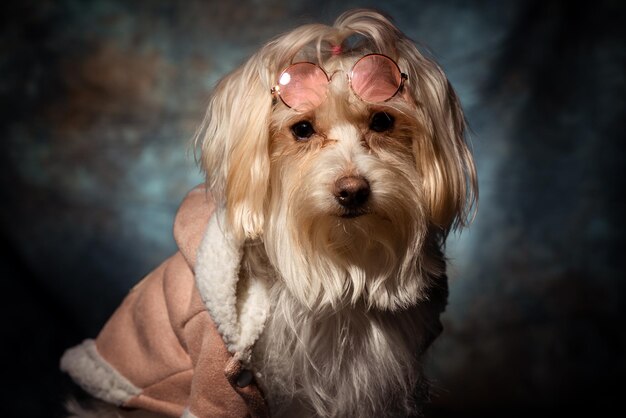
column 352, row 191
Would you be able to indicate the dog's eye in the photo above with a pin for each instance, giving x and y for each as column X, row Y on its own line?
column 302, row 130
column 381, row 122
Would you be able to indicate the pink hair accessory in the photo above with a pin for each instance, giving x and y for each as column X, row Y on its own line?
column 335, row 49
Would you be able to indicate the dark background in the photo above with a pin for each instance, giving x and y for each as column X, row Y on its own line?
column 99, row 101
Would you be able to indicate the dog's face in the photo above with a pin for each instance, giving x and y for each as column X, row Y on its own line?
column 345, row 195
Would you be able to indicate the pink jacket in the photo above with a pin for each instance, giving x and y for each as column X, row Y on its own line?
column 180, row 342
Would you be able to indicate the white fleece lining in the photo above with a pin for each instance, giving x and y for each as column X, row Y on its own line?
column 240, row 318
column 95, row 375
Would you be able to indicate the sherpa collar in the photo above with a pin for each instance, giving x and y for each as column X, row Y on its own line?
column 238, row 308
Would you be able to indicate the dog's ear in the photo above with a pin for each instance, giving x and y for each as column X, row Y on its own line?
column 234, row 145
column 442, row 155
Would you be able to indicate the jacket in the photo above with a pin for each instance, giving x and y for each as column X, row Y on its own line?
column 180, row 343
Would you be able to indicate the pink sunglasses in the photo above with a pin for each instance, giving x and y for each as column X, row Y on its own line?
column 373, row 78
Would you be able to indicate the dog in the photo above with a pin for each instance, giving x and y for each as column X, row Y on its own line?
column 337, row 164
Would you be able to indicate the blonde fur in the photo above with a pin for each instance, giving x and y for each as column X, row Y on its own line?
column 235, row 135
column 353, row 300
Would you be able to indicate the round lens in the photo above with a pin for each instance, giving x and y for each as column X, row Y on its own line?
column 375, row 78
column 302, row 86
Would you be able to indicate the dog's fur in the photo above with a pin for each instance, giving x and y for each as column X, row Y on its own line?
column 355, row 299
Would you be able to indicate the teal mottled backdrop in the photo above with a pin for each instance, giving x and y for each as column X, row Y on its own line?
column 99, row 101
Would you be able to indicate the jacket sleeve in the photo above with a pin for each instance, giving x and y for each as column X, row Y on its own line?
column 139, row 358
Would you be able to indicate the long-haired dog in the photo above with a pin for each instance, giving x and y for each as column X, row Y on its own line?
column 339, row 156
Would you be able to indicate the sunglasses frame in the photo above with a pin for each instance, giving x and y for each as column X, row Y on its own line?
column 275, row 91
